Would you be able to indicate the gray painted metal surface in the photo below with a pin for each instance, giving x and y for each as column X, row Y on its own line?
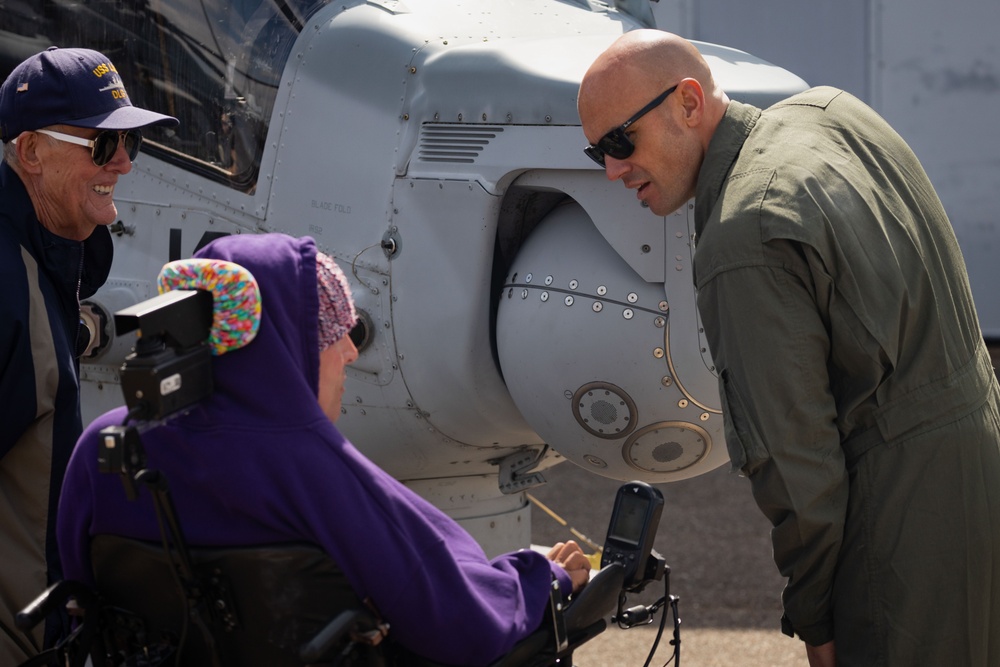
column 434, row 150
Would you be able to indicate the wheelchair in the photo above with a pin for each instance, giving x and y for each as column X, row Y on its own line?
column 277, row 606
column 283, row 605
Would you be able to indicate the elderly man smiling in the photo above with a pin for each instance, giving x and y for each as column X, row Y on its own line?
column 68, row 131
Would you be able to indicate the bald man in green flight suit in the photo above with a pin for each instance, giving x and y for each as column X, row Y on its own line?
column 858, row 394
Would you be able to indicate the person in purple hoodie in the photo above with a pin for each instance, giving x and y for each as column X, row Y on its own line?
column 261, row 462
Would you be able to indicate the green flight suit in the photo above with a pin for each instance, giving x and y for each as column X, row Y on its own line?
column 858, row 395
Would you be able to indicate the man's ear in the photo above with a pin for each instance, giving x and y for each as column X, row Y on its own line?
column 692, row 97
column 27, row 152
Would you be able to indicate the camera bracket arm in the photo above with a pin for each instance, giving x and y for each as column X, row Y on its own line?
column 121, row 452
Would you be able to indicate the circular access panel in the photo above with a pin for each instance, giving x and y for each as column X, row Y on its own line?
column 604, row 410
column 666, row 447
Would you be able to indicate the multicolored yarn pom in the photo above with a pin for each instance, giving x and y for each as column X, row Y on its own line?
column 236, row 309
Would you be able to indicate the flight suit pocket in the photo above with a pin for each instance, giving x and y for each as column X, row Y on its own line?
column 746, row 448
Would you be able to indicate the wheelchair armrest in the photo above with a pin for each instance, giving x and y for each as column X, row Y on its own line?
column 584, row 619
column 51, row 599
column 599, row 598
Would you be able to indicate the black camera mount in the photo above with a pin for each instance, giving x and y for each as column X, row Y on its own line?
column 170, row 368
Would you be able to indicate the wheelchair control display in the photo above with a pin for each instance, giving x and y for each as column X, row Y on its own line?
column 634, row 520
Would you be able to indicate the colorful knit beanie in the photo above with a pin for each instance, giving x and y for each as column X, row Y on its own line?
column 336, row 308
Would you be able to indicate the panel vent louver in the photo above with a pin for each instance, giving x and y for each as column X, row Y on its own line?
column 457, row 144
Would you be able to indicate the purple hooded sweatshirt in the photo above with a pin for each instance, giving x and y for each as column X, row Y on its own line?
column 259, row 463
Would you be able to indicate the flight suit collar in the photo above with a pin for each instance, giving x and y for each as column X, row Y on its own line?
column 733, row 130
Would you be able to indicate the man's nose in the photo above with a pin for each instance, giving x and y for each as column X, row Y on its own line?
column 615, row 168
column 352, row 353
column 119, row 162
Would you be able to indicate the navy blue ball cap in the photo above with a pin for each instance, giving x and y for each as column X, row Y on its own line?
column 77, row 87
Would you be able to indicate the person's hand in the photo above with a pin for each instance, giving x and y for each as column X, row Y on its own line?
column 570, row 556
column 822, row 655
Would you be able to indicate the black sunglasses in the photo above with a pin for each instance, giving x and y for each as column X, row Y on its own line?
column 616, row 143
column 104, row 146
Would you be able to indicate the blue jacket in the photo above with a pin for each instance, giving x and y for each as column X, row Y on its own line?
column 43, row 277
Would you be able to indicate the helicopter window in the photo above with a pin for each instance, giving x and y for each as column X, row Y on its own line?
column 213, row 64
